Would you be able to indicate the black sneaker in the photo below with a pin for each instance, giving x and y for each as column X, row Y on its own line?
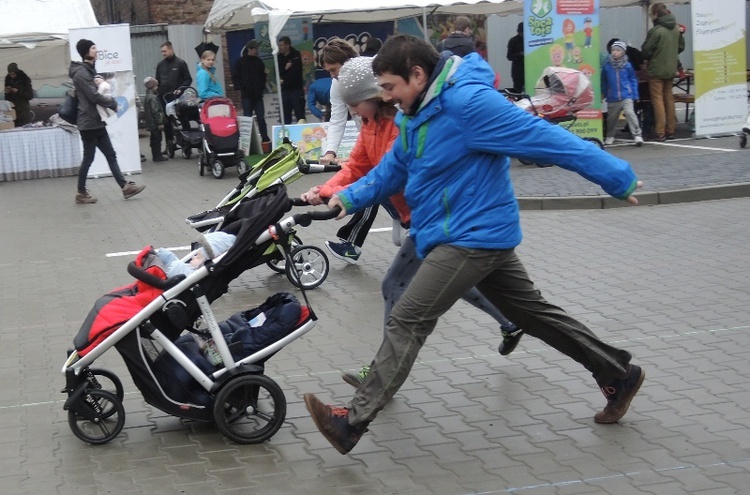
column 333, row 423
column 356, row 379
column 619, row 393
column 345, row 251
column 511, row 337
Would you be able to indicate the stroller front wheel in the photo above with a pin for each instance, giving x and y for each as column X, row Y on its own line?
column 98, row 417
column 250, row 409
column 279, row 264
column 186, row 152
column 217, row 169
column 743, row 140
column 309, row 267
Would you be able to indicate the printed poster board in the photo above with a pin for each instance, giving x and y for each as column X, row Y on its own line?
column 565, row 33
column 720, row 68
column 310, row 139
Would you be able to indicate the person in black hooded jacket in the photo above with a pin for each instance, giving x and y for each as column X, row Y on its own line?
column 249, row 78
column 18, row 91
column 460, row 42
column 90, row 125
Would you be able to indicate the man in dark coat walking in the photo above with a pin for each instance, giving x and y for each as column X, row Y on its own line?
column 249, row 78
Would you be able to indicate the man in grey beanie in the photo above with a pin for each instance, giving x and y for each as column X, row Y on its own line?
column 91, row 127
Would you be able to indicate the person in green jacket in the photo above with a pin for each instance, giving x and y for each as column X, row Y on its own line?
column 663, row 43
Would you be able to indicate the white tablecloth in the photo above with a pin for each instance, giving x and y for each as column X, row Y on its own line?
column 38, row 152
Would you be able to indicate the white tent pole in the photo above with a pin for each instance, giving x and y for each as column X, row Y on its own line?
column 424, row 24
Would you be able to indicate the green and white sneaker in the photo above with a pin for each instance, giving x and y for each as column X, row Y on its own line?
column 356, row 379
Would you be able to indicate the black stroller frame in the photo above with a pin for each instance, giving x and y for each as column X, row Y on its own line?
column 248, row 406
column 186, row 137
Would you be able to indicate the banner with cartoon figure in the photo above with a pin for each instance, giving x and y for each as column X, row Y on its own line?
column 115, row 63
column 565, row 33
column 310, row 139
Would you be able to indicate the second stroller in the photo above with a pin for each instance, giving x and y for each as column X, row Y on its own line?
column 184, row 115
column 221, row 136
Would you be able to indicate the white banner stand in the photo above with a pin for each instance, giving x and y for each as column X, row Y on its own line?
column 115, row 62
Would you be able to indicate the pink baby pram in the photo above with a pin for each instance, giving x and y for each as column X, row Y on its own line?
column 561, row 93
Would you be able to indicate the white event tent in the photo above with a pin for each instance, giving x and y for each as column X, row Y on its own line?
column 34, row 34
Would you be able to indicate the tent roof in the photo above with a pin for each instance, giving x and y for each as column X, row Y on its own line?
column 33, row 21
column 229, row 15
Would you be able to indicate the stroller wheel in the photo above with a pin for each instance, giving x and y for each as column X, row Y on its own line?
column 98, row 417
column 743, row 140
column 171, row 148
column 310, row 267
column 279, row 264
column 201, row 171
column 595, row 141
column 186, row 152
column 250, row 409
column 525, row 161
column 217, row 169
column 102, row 379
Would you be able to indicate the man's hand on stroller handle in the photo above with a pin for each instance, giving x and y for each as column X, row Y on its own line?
column 335, row 202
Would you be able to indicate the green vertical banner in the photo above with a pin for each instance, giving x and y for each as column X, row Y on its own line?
column 720, row 69
column 565, row 33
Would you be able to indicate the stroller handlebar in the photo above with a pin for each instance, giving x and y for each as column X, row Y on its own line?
column 152, row 280
column 312, row 167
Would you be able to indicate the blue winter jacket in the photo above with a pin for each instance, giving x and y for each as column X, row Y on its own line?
column 207, row 86
column 451, row 161
column 619, row 84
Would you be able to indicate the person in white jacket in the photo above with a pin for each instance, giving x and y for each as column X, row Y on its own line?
column 352, row 235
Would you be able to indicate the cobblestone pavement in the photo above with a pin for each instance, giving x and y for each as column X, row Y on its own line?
column 668, row 282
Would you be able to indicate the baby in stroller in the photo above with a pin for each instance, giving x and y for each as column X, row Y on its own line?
column 212, row 244
column 183, row 113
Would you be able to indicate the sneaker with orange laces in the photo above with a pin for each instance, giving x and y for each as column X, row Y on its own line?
column 619, row 394
column 333, row 423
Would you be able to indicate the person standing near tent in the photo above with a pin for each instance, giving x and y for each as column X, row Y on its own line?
column 90, row 125
column 172, row 73
column 292, row 83
column 205, row 77
column 18, row 91
column 516, row 56
column 663, row 44
column 319, row 93
column 451, row 159
column 460, row 42
column 249, row 78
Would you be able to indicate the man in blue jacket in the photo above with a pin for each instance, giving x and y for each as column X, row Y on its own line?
column 451, row 161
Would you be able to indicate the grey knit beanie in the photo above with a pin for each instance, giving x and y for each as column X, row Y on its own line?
column 620, row 45
column 357, row 82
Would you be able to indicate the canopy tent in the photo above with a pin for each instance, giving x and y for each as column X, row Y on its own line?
column 230, row 15
column 35, row 36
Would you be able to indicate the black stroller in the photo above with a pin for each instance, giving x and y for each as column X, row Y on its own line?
column 183, row 113
column 213, row 374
